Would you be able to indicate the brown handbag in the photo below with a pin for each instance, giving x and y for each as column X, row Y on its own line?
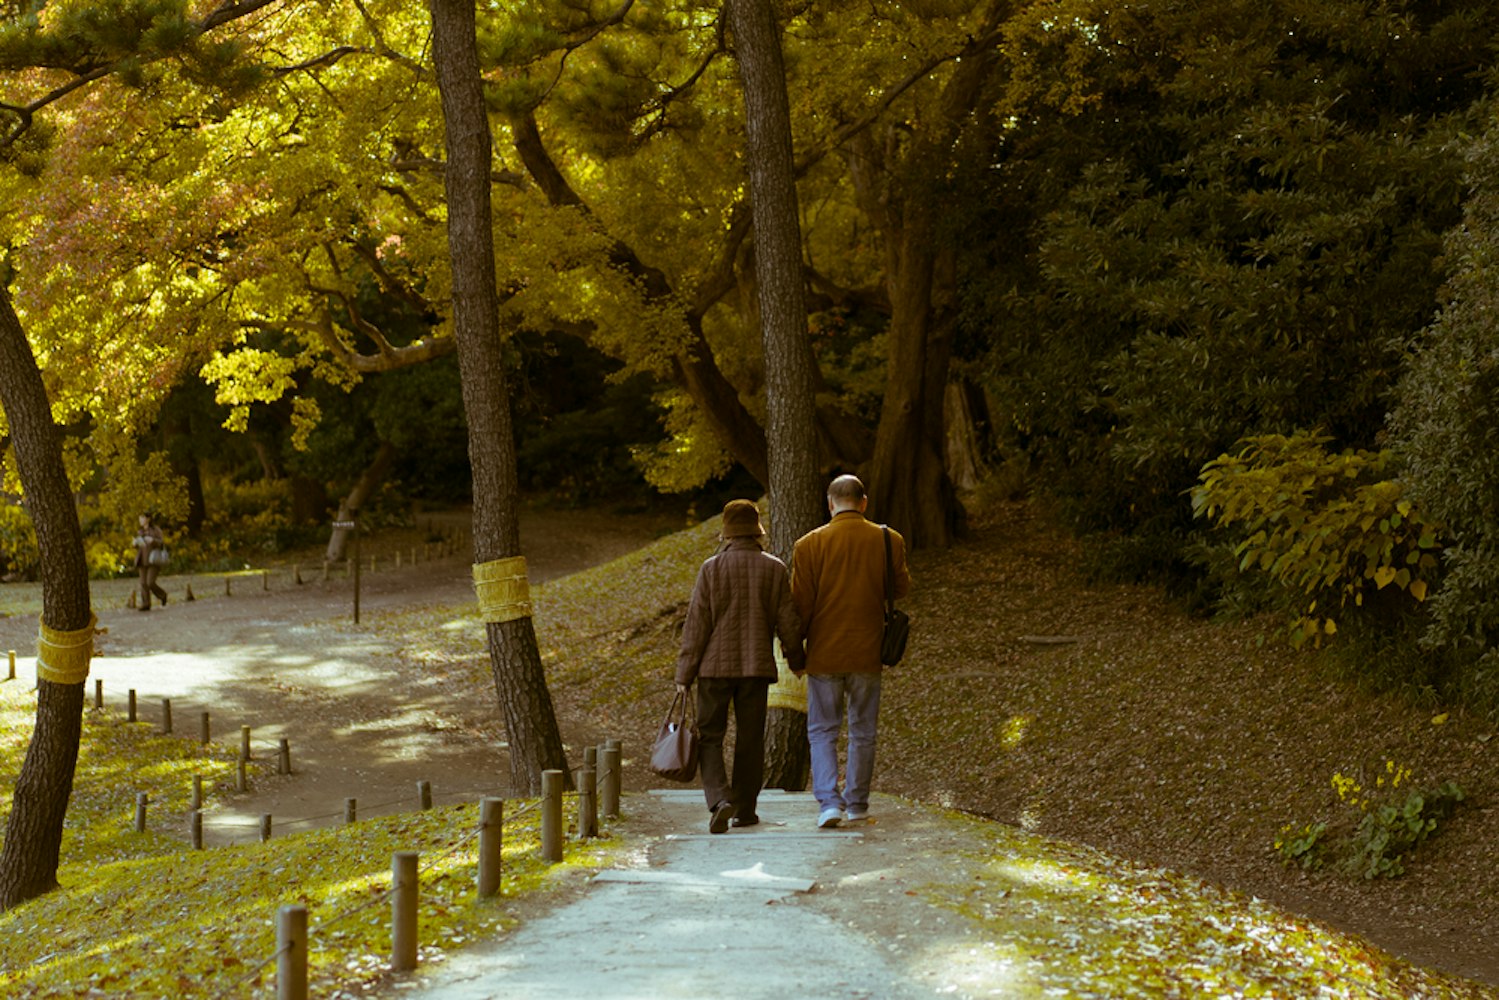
column 674, row 755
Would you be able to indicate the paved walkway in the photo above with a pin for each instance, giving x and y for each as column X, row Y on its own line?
column 746, row 914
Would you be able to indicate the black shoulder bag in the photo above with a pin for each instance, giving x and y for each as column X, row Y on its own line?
column 897, row 622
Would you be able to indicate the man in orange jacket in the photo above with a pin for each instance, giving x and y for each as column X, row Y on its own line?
column 838, row 585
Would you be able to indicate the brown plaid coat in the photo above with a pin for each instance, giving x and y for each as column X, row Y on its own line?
column 742, row 598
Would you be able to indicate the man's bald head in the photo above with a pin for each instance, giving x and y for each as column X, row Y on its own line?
column 846, row 493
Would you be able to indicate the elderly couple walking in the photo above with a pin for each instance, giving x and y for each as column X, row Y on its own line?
column 828, row 612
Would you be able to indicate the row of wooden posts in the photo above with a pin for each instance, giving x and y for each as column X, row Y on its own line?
column 598, row 793
column 598, row 784
column 449, row 546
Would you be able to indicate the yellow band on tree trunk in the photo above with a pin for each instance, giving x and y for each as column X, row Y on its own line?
column 63, row 657
column 504, row 594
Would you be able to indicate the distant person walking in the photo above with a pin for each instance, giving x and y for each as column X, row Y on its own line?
column 148, row 539
column 740, row 603
column 838, row 584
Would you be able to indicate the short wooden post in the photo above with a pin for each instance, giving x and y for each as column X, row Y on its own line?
column 140, row 812
column 413, row 555
column 241, row 778
column 351, row 810
column 325, row 571
column 197, row 800
column 130, row 707
column 98, row 692
column 166, row 716
column 12, row 658
column 265, row 827
column 283, row 759
column 203, row 729
column 130, row 602
column 244, row 742
column 291, row 952
column 403, row 909
column 551, row 815
column 296, row 574
column 373, row 560
column 491, row 842
column 398, row 558
column 189, row 595
column 228, row 587
column 609, row 778
column 424, row 794
column 265, row 579
column 588, row 808
column 197, row 829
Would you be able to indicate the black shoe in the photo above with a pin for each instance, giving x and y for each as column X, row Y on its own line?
column 144, row 607
column 746, row 821
column 722, row 813
column 163, row 600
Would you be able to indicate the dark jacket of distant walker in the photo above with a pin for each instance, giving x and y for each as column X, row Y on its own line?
column 742, row 598
column 838, row 581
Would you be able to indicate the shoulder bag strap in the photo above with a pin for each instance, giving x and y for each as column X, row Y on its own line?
column 889, row 580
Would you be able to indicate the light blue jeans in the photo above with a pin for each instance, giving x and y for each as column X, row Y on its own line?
column 829, row 698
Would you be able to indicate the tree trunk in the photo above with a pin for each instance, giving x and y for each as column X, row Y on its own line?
column 268, row 467
column 520, row 683
column 348, row 508
column 790, row 368
column 177, row 435
column 968, row 444
column 788, row 755
column 909, row 487
column 33, row 834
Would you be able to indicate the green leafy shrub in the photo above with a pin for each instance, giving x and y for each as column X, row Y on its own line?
column 1391, row 831
column 1377, row 829
column 1448, row 409
column 1330, row 529
column 1303, row 847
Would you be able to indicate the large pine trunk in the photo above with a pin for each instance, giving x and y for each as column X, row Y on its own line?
column 520, row 683
column 790, row 369
column 33, row 834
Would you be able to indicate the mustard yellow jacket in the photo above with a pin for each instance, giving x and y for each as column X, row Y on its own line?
column 838, row 585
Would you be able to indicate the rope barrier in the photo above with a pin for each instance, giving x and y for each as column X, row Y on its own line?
column 234, row 989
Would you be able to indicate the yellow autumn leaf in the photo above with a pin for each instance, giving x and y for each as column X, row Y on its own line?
column 1437, row 720
column 1383, row 576
column 1331, row 628
column 1418, row 589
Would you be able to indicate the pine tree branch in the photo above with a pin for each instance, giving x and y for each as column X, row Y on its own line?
column 25, row 113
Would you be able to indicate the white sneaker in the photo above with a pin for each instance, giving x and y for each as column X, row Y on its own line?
column 830, row 818
column 858, row 815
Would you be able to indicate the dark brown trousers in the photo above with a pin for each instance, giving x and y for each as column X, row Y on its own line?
column 747, row 696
